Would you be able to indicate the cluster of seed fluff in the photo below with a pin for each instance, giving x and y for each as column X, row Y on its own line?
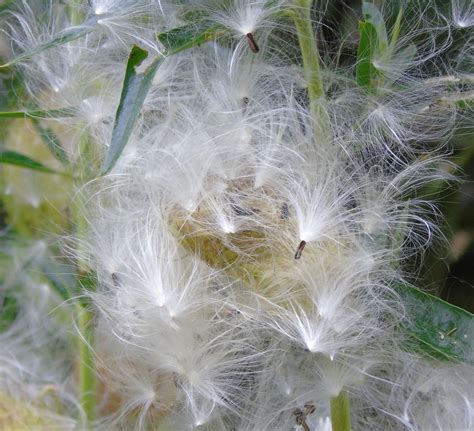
column 36, row 339
column 246, row 250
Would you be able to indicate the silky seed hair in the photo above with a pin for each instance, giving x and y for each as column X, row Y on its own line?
column 245, row 262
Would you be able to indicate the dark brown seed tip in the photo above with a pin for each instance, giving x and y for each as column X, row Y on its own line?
column 309, row 409
column 252, row 44
column 300, row 249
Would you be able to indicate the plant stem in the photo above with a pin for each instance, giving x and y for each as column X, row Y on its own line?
column 311, row 65
column 341, row 412
column 85, row 316
column 87, row 377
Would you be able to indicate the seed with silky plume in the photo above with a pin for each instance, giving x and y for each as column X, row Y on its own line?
column 252, row 44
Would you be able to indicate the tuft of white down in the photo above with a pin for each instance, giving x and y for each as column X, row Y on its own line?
column 245, row 255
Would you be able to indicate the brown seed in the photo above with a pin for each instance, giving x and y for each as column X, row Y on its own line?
column 309, row 409
column 300, row 419
column 252, row 44
column 300, row 249
column 299, row 416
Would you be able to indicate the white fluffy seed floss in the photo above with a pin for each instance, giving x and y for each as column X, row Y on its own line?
column 247, row 242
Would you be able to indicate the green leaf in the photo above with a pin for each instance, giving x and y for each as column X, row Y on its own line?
column 439, row 329
column 373, row 16
column 396, row 28
column 135, row 88
column 374, row 48
column 51, row 141
column 366, row 73
column 189, row 36
column 46, row 113
column 64, row 37
column 373, row 44
column 17, row 159
column 8, row 312
column 46, row 134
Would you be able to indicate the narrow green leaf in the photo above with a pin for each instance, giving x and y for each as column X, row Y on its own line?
column 440, row 329
column 8, row 312
column 374, row 45
column 135, row 88
column 46, row 113
column 64, row 37
column 396, row 28
column 189, row 36
column 51, row 141
column 373, row 16
column 17, row 159
column 366, row 73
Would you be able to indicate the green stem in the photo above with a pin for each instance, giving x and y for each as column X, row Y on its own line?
column 341, row 412
column 85, row 316
column 87, row 374
column 311, row 63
